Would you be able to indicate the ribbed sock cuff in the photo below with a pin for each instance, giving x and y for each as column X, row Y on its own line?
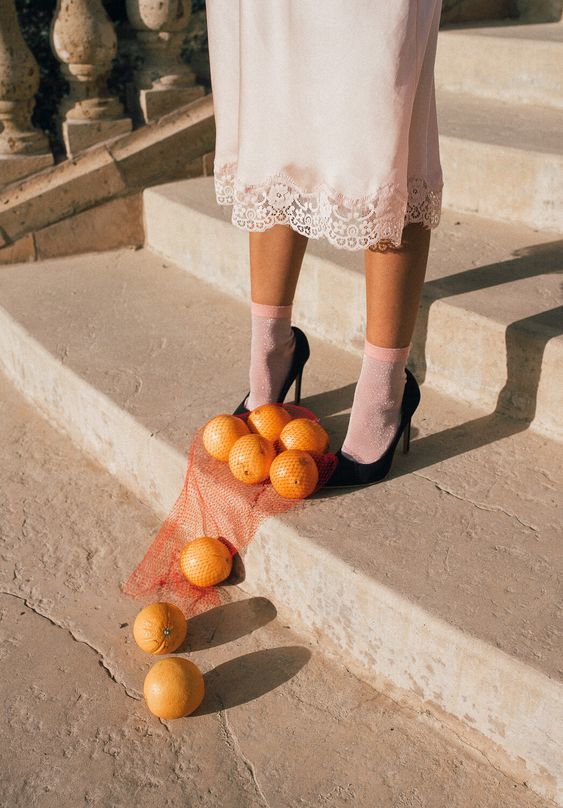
column 387, row 354
column 273, row 312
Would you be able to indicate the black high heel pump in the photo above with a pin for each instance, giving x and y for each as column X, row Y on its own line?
column 295, row 374
column 349, row 473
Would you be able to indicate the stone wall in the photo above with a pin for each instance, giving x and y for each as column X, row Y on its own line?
column 456, row 11
column 539, row 10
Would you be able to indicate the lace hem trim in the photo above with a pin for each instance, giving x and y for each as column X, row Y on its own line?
column 373, row 222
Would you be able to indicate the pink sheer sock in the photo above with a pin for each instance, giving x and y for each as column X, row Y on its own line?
column 271, row 351
column 376, row 408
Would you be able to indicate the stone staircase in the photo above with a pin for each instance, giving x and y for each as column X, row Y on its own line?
column 439, row 586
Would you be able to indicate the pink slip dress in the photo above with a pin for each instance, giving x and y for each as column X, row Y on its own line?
column 325, row 115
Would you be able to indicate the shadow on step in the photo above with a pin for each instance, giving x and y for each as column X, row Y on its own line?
column 248, row 677
column 525, row 342
column 528, row 262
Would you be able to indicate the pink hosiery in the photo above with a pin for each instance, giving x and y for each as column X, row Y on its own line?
column 376, row 410
column 271, row 352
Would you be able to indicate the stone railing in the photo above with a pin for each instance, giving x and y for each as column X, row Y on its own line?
column 84, row 41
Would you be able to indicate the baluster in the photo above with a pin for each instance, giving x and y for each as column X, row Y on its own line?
column 84, row 41
column 23, row 149
column 164, row 82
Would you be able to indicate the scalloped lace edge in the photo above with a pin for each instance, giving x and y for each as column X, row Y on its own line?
column 372, row 222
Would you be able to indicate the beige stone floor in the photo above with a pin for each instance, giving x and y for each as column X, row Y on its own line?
column 280, row 725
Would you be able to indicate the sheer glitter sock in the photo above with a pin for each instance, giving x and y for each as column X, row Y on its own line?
column 271, row 351
column 376, row 407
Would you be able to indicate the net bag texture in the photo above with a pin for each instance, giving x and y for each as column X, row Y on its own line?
column 211, row 503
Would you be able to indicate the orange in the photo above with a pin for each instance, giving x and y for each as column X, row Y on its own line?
column 294, row 474
column 220, row 433
column 160, row 628
column 250, row 459
column 205, row 561
column 268, row 420
column 305, row 434
column 173, row 688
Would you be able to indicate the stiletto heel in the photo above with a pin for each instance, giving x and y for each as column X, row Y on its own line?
column 297, row 399
column 350, row 473
column 295, row 374
column 407, row 437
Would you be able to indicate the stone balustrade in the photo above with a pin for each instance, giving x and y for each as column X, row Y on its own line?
column 83, row 39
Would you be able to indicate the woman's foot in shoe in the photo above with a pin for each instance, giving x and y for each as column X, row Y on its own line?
column 300, row 355
column 351, row 473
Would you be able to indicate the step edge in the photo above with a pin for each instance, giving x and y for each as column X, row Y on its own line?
column 442, row 307
column 26, row 378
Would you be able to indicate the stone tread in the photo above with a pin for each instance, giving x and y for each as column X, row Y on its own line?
column 467, row 524
column 526, row 127
column 536, row 32
column 281, row 726
column 470, row 257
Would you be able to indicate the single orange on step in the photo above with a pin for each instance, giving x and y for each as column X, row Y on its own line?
column 220, row 433
column 160, row 628
column 173, row 687
column 268, row 420
column 294, row 474
column 305, row 434
column 205, row 561
column 250, row 459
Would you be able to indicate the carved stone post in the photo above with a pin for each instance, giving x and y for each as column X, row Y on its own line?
column 164, row 82
column 83, row 39
column 23, row 149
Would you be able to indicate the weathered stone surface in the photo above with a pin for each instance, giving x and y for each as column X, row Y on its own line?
column 280, row 725
column 81, row 135
column 156, row 103
column 84, row 40
column 21, row 250
column 19, row 81
column 449, row 606
column 165, row 150
column 56, row 193
column 515, row 63
column 117, row 223
column 22, row 165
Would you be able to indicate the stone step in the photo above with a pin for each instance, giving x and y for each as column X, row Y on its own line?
column 438, row 586
column 502, row 160
column 518, row 63
column 489, row 329
column 70, row 534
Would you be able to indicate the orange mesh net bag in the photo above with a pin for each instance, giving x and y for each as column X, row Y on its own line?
column 214, row 504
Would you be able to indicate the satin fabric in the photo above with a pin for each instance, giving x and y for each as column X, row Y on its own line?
column 325, row 116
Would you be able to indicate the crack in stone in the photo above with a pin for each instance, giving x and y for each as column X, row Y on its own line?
column 480, row 505
column 130, row 693
column 232, row 742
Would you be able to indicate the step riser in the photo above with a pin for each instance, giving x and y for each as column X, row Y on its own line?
column 499, row 182
column 454, row 350
column 518, row 70
column 493, row 702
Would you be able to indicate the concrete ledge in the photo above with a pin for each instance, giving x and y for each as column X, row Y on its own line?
column 518, row 63
column 484, row 333
column 504, row 707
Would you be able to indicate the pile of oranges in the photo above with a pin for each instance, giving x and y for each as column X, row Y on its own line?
column 272, row 444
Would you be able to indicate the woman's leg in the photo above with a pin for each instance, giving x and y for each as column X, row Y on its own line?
column 276, row 256
column 394, row 280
